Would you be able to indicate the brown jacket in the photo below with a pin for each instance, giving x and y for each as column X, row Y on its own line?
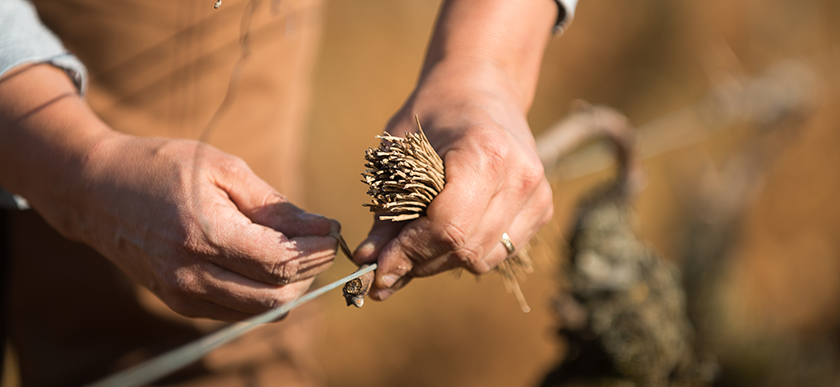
column 164, row 68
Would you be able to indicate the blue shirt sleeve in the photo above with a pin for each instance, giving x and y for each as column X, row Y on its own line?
column 23, row 39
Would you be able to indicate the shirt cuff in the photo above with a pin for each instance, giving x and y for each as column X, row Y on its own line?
column 565, row 15
column 10, row 201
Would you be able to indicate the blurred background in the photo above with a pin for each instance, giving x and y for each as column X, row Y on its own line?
column 740, row 195
column 776, row 302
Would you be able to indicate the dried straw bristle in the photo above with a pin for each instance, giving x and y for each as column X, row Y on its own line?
column 404, row 175
column 513, row 268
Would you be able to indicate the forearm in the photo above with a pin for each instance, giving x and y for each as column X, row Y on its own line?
column 494, row 45
column 46, row 133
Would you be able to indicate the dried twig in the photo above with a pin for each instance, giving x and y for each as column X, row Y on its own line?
column 786, row 89
column 514, row 268
column 624, row 317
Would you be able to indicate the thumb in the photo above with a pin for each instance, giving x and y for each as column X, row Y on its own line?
column 380, row 234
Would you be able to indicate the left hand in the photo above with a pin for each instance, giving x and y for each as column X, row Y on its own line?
column 494, row 181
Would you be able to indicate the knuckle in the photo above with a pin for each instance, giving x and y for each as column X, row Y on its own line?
column 493, row 146
column 197, row 245
column 531, row 175
column 211, row 244
column 284, row 272
column 182, row 283
column 402, row 269
column 196, row 240
column 452, row 237
column 233, row 165
column 469, row 257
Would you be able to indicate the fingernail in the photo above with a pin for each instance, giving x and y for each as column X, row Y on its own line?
column 389, row 280
column 366, row 249
column 383, row 294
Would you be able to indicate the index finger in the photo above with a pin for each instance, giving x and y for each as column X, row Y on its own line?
column 264, row 254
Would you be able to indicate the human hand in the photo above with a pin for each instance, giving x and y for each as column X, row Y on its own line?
column 191, row 223
column 494, row 181
column 197, row 227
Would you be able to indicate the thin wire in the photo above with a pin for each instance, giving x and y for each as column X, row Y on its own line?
column 189, row 353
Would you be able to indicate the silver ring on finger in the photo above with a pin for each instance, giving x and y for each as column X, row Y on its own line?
column 508, row 244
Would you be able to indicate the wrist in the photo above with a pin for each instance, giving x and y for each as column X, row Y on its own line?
column 456, row 101
column 60, row 189
column 507, row 38
column 469, row 79
column 48, row 134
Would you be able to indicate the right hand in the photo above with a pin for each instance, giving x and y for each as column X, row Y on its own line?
column 196, row 226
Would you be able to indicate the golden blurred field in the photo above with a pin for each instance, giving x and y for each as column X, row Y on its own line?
column 645, row 58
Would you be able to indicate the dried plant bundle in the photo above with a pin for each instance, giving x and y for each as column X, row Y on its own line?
column 404, row 175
